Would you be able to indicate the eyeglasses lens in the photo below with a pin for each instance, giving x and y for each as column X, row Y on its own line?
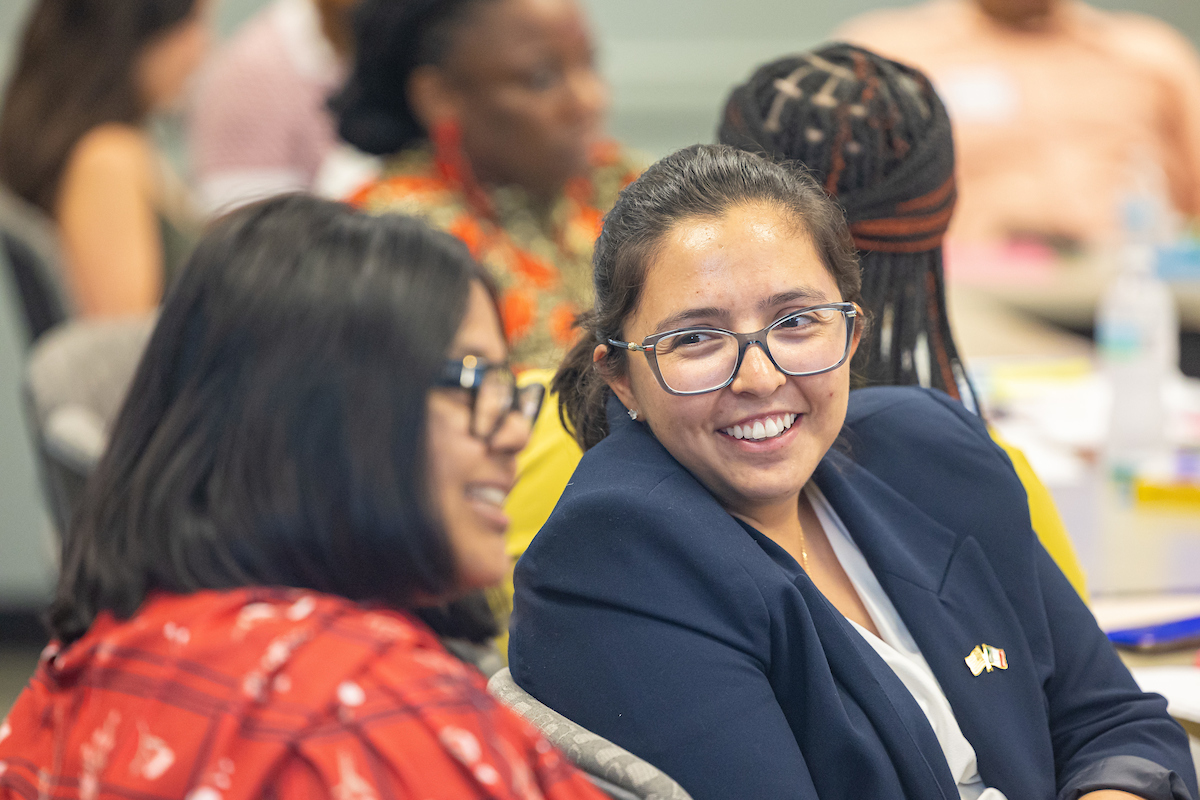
column 698, row 361
column 493, row 401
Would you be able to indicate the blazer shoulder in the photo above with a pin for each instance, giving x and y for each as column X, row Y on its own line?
column 922, row 422
column 937, row 454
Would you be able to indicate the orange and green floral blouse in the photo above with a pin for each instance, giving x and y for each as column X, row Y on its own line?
column 540, row 258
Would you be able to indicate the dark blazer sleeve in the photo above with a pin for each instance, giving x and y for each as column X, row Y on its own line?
column 623, row 638
column 1105, row 732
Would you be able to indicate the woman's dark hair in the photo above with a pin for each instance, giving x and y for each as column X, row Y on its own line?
column 391, row 39
column 274, row 431
column 876, row 136
column 698, row 182
column 76, row 70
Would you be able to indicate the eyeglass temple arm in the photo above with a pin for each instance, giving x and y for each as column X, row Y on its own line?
column 629, row 346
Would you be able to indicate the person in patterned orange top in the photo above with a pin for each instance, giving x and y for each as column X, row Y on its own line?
column 315, row 447
column 489, row 115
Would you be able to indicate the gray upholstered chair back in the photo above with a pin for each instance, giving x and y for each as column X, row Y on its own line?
column 76, row 380
column 618, row 772
column 33, row 261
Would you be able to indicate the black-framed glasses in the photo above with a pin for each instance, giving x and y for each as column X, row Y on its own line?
column 699, row 359
column 494, row 393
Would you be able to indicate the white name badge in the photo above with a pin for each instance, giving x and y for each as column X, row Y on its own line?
column 984, row 93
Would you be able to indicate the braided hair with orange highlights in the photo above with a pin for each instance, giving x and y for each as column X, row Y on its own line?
column 876, row 136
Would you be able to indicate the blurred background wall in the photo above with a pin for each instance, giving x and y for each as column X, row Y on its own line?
column 670, row 63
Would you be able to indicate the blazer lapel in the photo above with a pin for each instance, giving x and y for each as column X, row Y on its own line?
column 951, row 601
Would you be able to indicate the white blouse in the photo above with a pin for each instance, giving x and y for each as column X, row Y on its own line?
column 896, row 647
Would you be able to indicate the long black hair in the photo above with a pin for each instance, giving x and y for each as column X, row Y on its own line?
column 391, row 39
column 274, row 431
column 698, row 182
column 875, row 134
column 76, row 70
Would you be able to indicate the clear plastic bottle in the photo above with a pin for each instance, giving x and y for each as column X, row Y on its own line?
column 1137, row 334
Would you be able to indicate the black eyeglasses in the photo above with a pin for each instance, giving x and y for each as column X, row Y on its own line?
column 494, row 393
column 698, row 360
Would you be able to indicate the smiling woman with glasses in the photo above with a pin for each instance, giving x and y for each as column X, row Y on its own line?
column 767, row 585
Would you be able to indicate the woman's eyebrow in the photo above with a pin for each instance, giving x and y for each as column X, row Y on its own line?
column 803, row 293
column 710, row 312
column 679, row 317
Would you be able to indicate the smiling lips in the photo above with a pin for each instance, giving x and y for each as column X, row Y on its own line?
column 491, row 495
column 764, row 428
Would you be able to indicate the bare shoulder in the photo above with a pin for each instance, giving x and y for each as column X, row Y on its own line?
column 887, row 28
column 113, row 151
column 1152, row 43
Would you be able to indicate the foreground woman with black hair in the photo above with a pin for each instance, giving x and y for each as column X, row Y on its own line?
column 318, row 440
column 760, row 613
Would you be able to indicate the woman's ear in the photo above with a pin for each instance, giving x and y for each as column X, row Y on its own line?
column 618, row 382
column 858, row 330
column 431, row 97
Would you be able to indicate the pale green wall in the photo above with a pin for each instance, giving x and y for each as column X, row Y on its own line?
column 670, row 63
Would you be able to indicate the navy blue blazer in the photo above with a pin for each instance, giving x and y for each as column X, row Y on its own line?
column 648, row 614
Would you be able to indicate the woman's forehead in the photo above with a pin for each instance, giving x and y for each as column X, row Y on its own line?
column 479, row 333
column 747, row 256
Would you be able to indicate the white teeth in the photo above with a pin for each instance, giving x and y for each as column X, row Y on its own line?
column 762, row 429
column 489, row 494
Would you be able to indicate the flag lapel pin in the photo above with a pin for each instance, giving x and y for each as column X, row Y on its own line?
column 985, row 657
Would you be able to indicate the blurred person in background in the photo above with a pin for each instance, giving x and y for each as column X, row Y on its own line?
column 876, row 136
column 489, row 115
column 1058, row 109
column 259, row 121
column 72, row 142
column 315, row 445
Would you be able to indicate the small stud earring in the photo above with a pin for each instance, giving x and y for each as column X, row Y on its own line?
column 633, row 414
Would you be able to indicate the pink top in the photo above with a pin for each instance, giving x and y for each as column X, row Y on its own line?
column 259, row 125
column 1052, row 126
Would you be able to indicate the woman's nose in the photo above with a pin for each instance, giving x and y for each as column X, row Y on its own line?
column 757, row 375
column 512, row 435
column 589, row 94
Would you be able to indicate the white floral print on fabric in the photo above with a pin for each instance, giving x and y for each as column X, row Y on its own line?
column 176, row 634
column 251, row 615
column 462, row 744
column 5, row 730
column 487, row 775
column 94, row 754
column 351, row 694
column 351, row 785
column 391, row 628
column 302, row 608
column 154, row 755
column 220, row 779
column 524, row 784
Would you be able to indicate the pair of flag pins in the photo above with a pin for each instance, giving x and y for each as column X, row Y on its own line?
column 986, row 657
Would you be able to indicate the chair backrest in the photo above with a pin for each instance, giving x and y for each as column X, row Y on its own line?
column 75, row 382
column 613, row 769
column 30, row 242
